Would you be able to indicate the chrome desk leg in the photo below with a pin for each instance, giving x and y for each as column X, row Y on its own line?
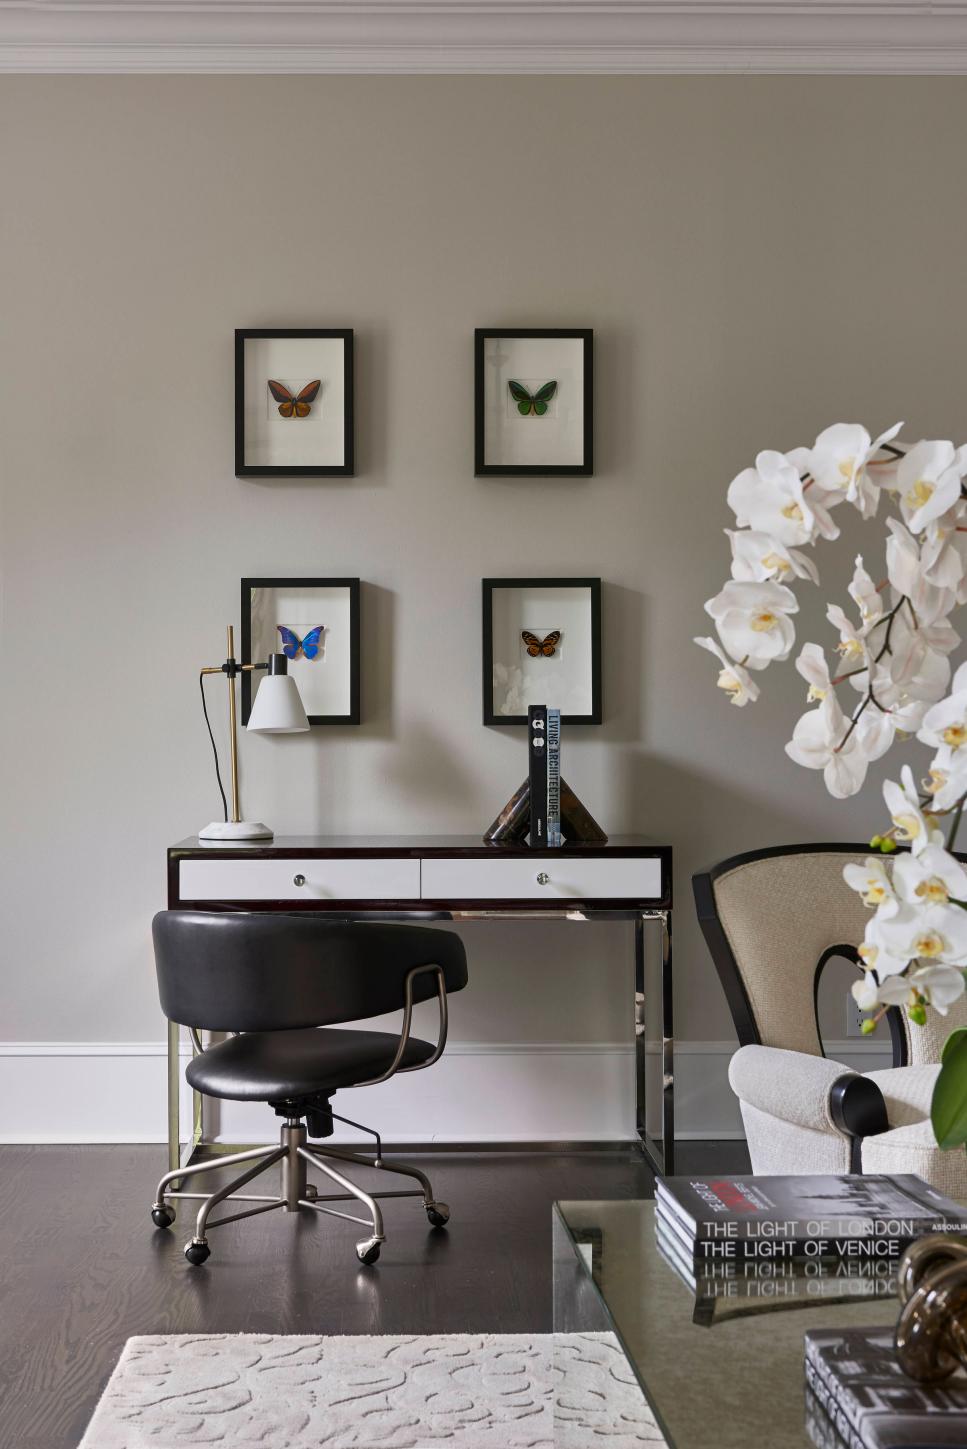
column 174, row 1097
column 177, row 1157
column 660, row 1151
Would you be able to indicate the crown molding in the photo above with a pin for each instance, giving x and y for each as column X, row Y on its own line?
column 524, row 37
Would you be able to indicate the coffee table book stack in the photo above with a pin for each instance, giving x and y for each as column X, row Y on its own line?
column 745, row 1219
column 857, row 1396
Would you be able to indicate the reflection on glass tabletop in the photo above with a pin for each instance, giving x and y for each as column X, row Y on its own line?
column 731, row 1378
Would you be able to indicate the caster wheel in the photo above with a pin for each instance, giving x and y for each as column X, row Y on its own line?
column 368, row 1250
column 162, row 1217
column 438, row 1214
column 196, row 1253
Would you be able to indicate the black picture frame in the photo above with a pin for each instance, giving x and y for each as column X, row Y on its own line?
column 352, row 586
column 346, row 469
column 593, row 586
column 483, row 468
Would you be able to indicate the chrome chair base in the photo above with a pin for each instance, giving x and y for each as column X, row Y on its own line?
column 296, row 1193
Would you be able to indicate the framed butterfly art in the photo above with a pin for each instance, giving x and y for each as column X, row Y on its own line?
column 294, row 402
column 534, row 402
column 541, row 645
column 315, row 624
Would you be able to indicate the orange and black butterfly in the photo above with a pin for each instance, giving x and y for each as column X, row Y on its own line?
column 537, row 647
column 299, row 406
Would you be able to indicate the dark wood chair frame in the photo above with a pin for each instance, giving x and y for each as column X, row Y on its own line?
column 856, row 1104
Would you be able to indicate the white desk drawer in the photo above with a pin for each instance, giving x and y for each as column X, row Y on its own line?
column 350, row 879
column 568, row 878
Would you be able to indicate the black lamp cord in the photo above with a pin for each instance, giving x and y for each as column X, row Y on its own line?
column 218, row 775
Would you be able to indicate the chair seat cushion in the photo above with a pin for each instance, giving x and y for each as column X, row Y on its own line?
column 914, row 1149
column 265, row 1066
column 907, row 1092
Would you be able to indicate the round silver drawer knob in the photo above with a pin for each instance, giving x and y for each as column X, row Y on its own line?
column 298, row 880
column 543, row 878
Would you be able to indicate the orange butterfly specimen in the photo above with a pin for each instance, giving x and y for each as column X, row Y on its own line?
column 299, row 406
column 546, row 646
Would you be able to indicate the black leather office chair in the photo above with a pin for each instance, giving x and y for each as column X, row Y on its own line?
column 278, row 983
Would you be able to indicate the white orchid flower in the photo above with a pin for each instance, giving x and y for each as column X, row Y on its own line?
column 819, row 743
column 852, row 641
column 928, row 481
column 935, row 934
column 872, row 881
column 905, row 571
column 937, row 986
column 914, row 654
column 737, row 682
column 906, row 681
column 866, row 992
column 752, row 621
column 945, row 724
column 912, row 825
column 758, row 556
column 812, row 665
column 839, row 461
column 933, row 877
column 943, row 551
column 876, row 729
column 865, row 594
column 946, row 780
column 820, row 501
column 769, row 498
column 876, row 954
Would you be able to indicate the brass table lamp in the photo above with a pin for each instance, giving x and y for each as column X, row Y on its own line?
column 277, row 709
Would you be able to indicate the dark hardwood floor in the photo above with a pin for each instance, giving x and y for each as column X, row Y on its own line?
column 83, row 1269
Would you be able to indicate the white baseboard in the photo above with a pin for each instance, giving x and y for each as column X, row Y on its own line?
column 479, row 1092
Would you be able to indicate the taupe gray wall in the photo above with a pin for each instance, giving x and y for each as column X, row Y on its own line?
column 758, row 258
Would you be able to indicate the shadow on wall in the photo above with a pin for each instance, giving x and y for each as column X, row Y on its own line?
column 377, row 608
column 623, row 614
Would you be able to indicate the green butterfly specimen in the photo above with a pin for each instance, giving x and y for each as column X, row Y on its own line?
column 535, row 403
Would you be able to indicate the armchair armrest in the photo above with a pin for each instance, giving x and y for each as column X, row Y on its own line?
column 808, row 1091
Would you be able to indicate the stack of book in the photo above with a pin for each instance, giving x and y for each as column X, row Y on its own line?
column 857, row 1396
column 544, row 756
column 748, row 1244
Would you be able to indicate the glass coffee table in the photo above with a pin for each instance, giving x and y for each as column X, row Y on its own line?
column 734, row 1383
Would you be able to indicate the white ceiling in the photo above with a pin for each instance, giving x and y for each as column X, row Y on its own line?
column 571, row 37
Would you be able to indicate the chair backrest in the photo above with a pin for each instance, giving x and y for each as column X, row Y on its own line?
column 772, row 919
column 267, row 971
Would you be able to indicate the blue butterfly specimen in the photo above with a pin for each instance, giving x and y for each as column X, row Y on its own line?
column 293, row 646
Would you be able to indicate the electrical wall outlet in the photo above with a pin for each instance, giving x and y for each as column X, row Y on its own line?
column 854, row 1017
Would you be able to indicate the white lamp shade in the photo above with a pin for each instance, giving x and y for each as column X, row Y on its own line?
column 278, row 708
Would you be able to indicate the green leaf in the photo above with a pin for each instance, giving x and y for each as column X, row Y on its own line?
column 948, row 1109
column 518, row 392
column 955, row 1036
column 545, row 393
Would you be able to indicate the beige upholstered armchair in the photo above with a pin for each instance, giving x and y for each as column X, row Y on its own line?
column 772, row 920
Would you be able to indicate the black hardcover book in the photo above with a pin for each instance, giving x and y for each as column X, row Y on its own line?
column 725, row 1290
column 537, row 756
column 856, row 1381
column 554, row 837
column 863, row 1218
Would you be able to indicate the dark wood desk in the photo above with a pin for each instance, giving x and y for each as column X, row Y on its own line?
column 448, row 877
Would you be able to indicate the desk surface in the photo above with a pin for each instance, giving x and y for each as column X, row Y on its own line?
column 411, row 845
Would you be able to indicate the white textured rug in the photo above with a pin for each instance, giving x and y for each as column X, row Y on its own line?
column 462, row 1391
